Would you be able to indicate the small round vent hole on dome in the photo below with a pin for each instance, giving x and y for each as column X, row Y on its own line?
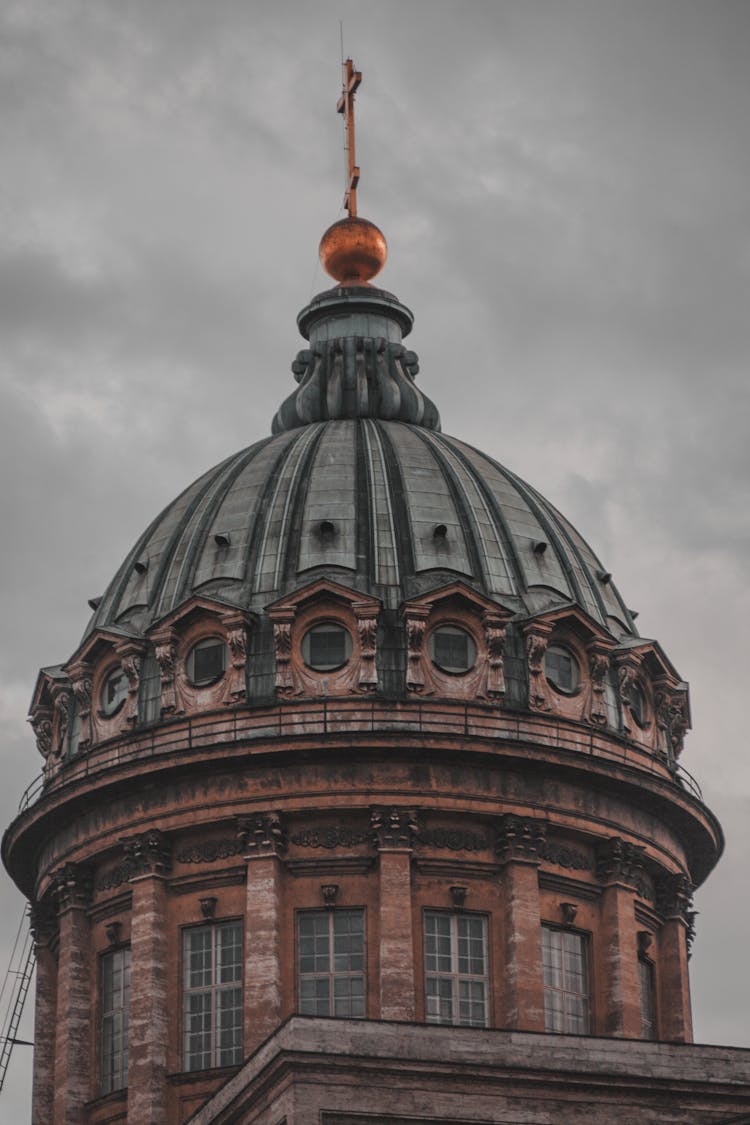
column 327, row 529
column 94, row 603
column 222, row 539
column 440, row 532
column 604, row 576
column 140, row 566
column 539, row 547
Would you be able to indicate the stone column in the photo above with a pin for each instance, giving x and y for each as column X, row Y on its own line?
column 73, row 1043
column 394, row 831
column 518, row 843
column 44, row 931
column 264, row 840
column 674, row 1014
column 620, row 868
column 150, row 857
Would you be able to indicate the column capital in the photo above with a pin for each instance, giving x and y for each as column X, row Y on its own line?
column 674, row 896
column 519, row 838
column 42, row 922
column 262, row 834
column 393, row 828
column 619, row 861
column 73, row 884
column 148, row 853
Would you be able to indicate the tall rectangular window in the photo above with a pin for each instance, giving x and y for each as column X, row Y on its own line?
column 115, row 996
column 331, row 960
column 212, row 996
column 455, row 958
column 149, row 694
column 566, row 981
column 648, row 1008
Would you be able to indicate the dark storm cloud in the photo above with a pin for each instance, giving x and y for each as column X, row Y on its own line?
column 563, row 184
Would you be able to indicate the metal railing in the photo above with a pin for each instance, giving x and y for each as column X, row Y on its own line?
column 298, row 722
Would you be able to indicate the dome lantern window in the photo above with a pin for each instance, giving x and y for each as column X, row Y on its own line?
column 561, row 669
column 452, row 649
column 326, row 647
column 114, row 691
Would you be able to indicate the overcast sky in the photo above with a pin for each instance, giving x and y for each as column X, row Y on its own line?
column 564, row 188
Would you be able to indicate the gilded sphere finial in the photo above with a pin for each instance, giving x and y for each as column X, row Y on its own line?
column 353, row 250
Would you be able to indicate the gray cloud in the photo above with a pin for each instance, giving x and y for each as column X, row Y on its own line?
column 564, row 189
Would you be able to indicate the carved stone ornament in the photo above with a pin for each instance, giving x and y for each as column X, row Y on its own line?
column 81, row 681
column 73, row 885
column 282, row 638
column 208, row 906
column 453, row 839
column 113, row 930
column 458, row 896
column 208, row 851
column 519, row 838
column 393, row 828
column 262, row 834
column 367, row 631
column 164, row 650
column 568, row 910
column 416, row 623
column 41, row 724
column 536, row 635
column 645, row 941
column 494, row 636
column 619, row 861
column 564, row 856
column 596, row 707
column 42, row 922
column 331, row 836
column 63, row 697
column 627, row 671
column 671, row 704
column 236, row 634
column 149, row 853
column 130, row 661
column 329, row 892
column 674, row 896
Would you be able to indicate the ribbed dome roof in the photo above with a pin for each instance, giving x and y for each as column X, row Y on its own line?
column 358, row 484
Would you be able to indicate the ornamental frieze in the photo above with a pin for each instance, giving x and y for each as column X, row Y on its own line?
column 334, row 836
column 454, row 839
column 210, row 850
column 563, row 856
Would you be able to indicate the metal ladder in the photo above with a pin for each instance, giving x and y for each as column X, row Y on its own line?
column 18, row 977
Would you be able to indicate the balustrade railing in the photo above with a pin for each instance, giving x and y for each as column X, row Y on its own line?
column 356, row 717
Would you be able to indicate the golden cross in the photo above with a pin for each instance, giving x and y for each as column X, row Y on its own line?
column 352, row 79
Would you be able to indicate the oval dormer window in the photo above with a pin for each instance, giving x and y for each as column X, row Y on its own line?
column 207, row 661
column 561, row 669
column 326, row 647
column 114, row 691
column 452, row 649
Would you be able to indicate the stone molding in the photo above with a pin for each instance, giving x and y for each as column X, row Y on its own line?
column 520, row 839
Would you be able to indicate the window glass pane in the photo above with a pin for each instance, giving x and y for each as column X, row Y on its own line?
column 212, row 996
column 456, row 969
column 331, row 963
column 566, row 1000
column 149, row 689
column 115, row 993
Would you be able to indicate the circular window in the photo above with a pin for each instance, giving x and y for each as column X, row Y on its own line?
column 638, row 705
column 114, row 691
column 452, row 649
column 561, row 669
column 326, row 647
column 207, row 661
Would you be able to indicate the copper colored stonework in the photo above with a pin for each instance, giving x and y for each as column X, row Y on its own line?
column 309, row 861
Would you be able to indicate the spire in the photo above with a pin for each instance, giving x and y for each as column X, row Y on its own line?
column 353, row 250
column 356, row 365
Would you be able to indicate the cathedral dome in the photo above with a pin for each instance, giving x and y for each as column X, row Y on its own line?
column 359, row 485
